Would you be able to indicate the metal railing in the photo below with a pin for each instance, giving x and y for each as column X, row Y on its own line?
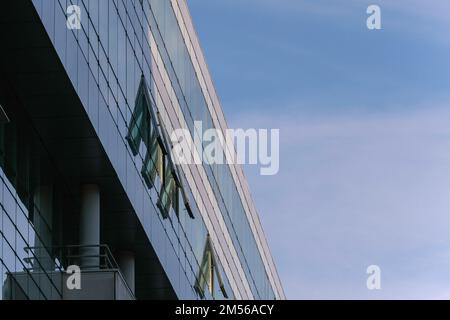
column 92, row 257
column 89, row 258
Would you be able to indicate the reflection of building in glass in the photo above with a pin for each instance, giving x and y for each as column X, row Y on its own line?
column 87, row 175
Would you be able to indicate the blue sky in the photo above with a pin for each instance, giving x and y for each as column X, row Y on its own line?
column 364, row 119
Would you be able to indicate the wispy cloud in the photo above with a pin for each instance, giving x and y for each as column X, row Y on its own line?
column 365, row 137
column 356, row 190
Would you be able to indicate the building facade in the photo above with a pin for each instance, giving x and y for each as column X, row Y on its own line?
column 90, row 92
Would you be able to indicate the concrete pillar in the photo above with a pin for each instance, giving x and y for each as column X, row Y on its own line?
column 90, row 226
column 126, row 261
column 43, row 220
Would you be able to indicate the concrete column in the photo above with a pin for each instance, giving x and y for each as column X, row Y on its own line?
column 43, row 219
column 126, row 261
column 90, row 226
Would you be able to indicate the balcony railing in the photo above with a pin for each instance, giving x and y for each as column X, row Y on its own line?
column 91, row 259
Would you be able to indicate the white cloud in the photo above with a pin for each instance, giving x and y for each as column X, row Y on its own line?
column 355, row 190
